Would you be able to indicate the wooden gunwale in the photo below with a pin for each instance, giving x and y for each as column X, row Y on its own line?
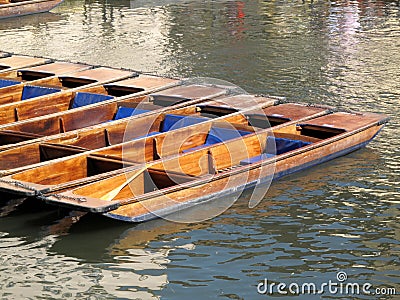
column 48, row 189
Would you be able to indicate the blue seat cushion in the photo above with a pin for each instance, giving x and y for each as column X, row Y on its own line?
column 177, row 121
column 254, row 159
column 83, row 99
column 31, row 91
column 125, row 112
column 6, row 82
column 218, row 135
column 283, row 145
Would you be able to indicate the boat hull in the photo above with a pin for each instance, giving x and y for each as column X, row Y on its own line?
column 256, row 175
column 27, row 8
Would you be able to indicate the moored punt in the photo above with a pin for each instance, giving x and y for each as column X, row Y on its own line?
column 15, row 62
column 15, row 8
column 13, row 82
column 180, row 131
column 106, row 114
column 175, row 183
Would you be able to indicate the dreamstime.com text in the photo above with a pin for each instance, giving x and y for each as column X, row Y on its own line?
column 339, row 287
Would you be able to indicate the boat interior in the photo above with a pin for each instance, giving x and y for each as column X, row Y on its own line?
column 55, row 84
column 165, row 129
column 207, row 148
column 162, row 124
column 267, row 144
column 70, row 120
column 12, row 90
column 173, row 174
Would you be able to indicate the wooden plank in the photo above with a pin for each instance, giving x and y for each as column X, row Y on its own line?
column 51, row 69
column 100, row 74
column 15, row 62
column 345, row 120
column 146, row 82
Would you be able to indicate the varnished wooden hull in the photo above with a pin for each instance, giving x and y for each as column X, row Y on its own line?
column 27, row 8
column 359, row 130
column 211, row 191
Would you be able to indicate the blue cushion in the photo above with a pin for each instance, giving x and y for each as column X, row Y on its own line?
column 218, row 135
column 6, row 82
column 83, row 99
column 31, row 91
column 177, row 121
column 252, row 160
column 125, row 112
column 283, row 145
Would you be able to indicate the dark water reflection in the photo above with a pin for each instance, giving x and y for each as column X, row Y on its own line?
column 341, row 216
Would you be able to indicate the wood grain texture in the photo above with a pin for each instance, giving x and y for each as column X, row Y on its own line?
column 15, row 62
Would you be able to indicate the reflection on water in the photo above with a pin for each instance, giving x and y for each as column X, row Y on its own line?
column 342, row 215
column 29, row 22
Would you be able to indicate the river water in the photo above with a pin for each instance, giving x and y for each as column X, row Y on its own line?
column 342, row 216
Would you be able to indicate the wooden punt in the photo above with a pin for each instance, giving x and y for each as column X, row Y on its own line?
column 193, row 126
column 15, row 62
column 12, row 82
column 164, row 187
column 15, row 8
column 106, row 114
